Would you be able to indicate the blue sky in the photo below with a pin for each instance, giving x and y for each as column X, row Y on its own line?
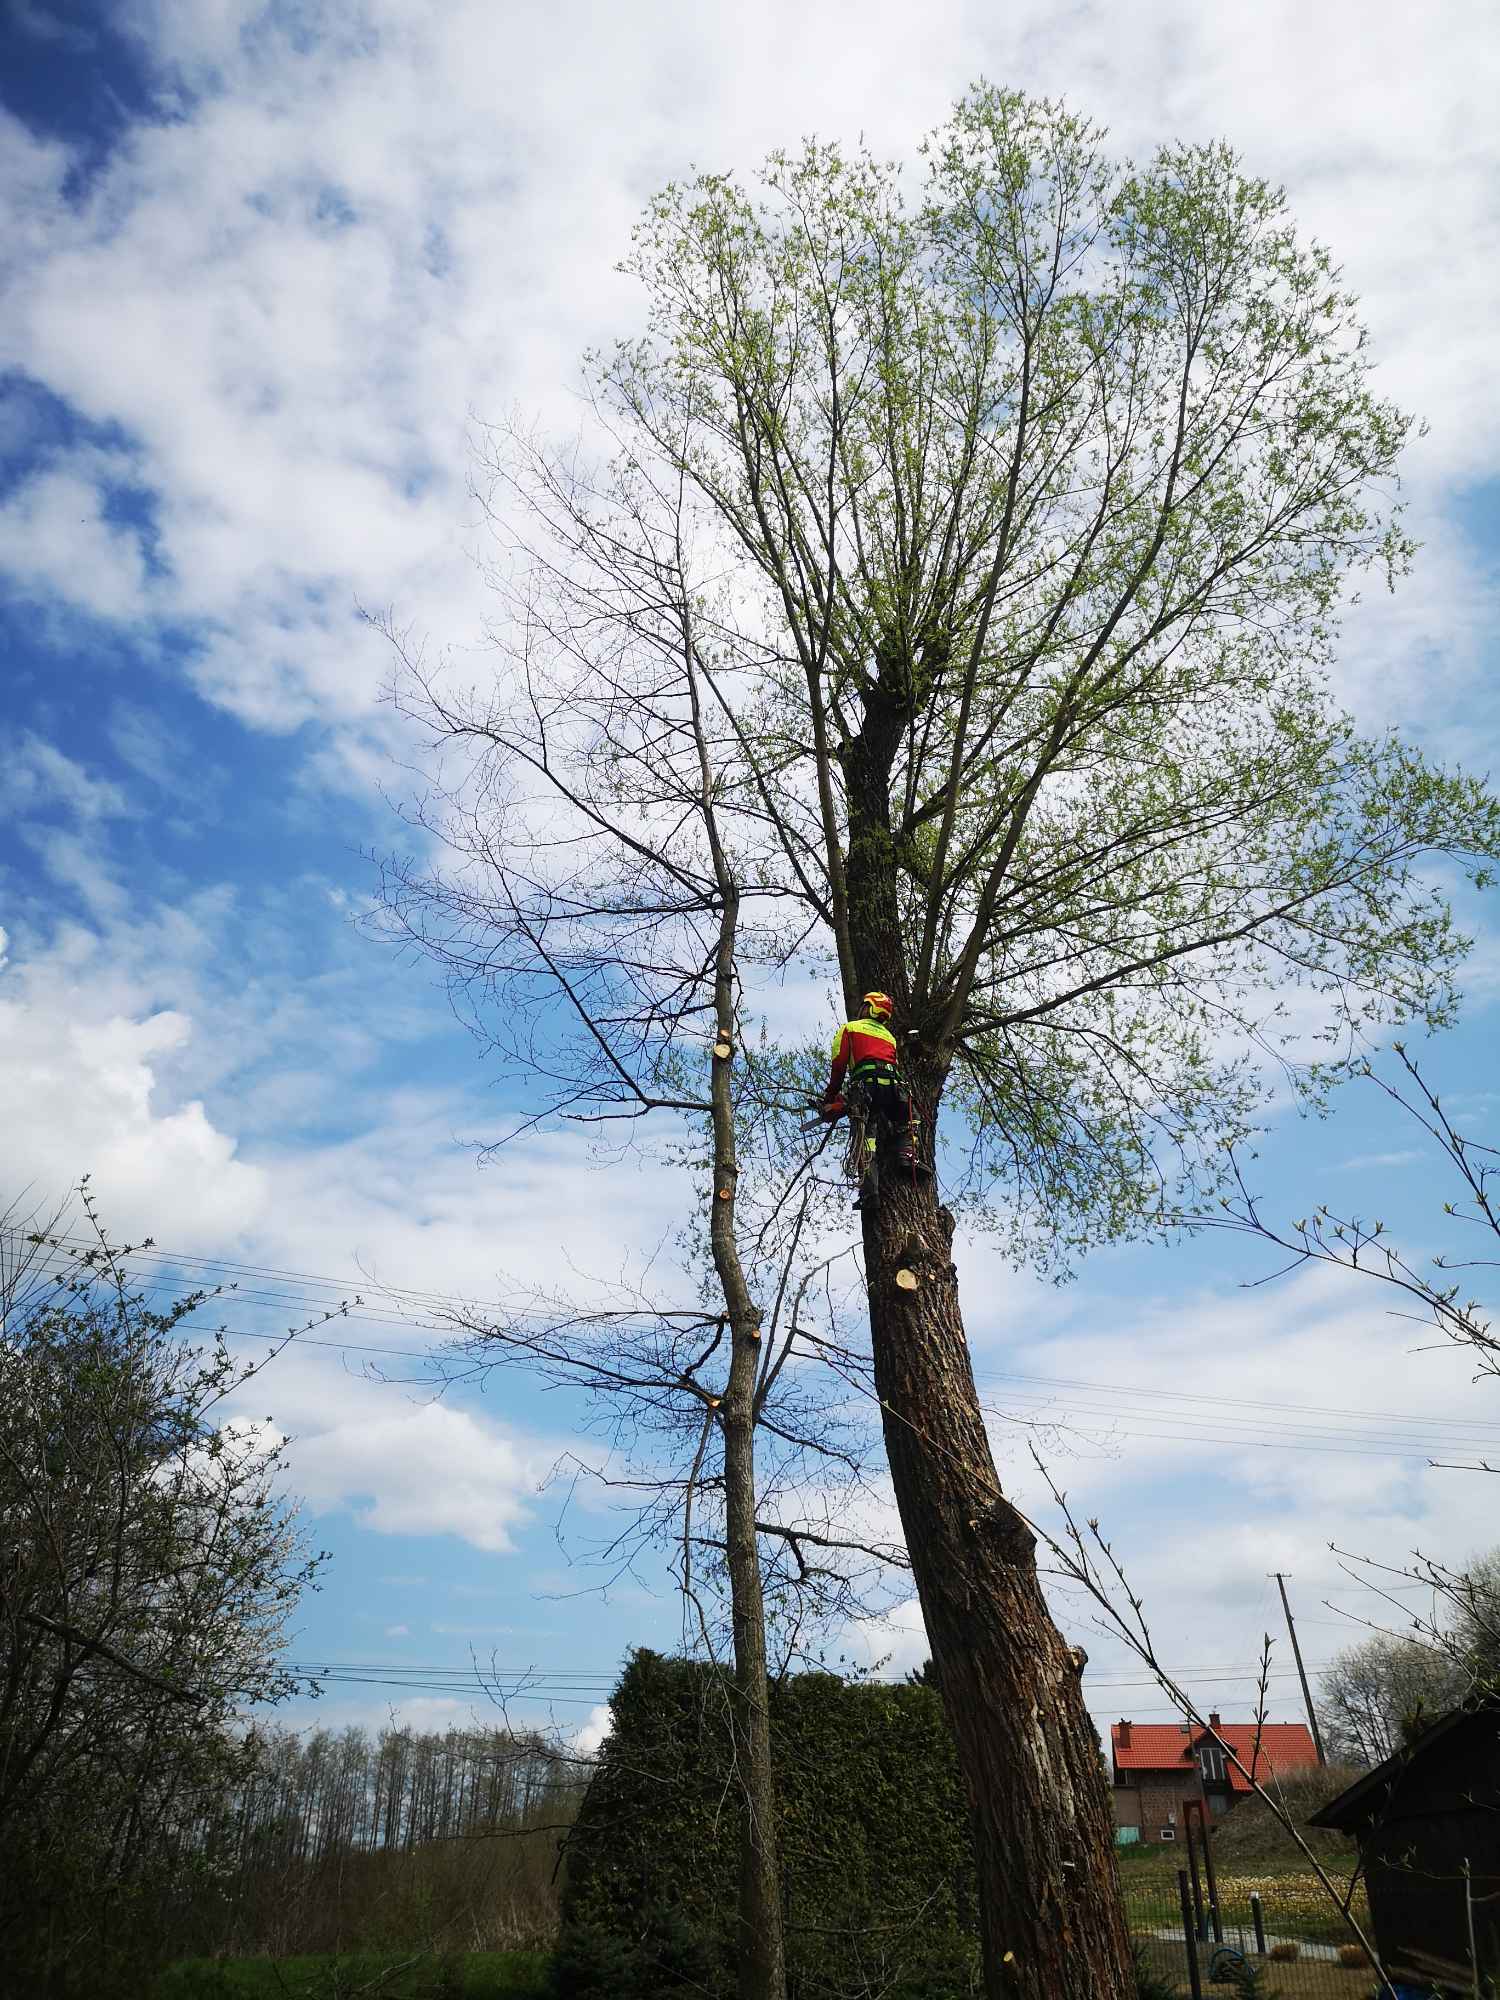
column 260, row 266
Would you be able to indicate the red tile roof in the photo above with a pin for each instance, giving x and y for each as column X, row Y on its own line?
column 1172, row 1746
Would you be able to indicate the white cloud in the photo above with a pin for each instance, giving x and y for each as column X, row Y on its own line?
column 97, row 1078
column 375, row 1712
column 598, row 1725
column 38, row 776
column 310, row 282
column 400, row 1467
column 144, row 1047
column 398, row 1631
column 32, row 19
column 83, row 1097
column 56, row 542
column 295, row 388
column 1204, row 1498
column 32, row 172
column 1415, row 656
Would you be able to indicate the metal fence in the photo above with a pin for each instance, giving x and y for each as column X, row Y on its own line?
column 1206, row 1941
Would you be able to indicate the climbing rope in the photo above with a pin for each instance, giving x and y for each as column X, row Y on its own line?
column 859, row 1154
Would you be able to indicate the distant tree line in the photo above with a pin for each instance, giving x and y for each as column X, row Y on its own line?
column 326, row 1792
column 344, row 1840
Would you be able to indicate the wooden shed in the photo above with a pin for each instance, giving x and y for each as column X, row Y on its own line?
column 1427, row 1822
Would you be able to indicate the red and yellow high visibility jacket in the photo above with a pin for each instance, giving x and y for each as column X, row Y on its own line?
column 862, row 1041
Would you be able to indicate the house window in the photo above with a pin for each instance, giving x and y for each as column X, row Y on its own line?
column 1169, row 1833
column 1211, row 1764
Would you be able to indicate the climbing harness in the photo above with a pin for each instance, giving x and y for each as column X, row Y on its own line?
column 881, row 1108
column 866, row 1085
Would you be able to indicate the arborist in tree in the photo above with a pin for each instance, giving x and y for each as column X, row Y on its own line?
column 866, row 1076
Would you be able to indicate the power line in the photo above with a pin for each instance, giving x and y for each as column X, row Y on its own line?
column 1187, row 1430
column 590, row 1674
column 291, row 1286
column 1235, row 1402
column 591, row 1683
column 1411, row 1448
column 1229, row 1430
column 428, row 1299
column 1347, row 1435
column 1114, row 1692
column 1180, row 1429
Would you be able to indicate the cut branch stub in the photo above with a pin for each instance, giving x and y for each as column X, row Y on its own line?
column 907, row 1280
column 721, row 1049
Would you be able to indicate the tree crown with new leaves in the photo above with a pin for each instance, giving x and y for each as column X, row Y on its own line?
column 997, row 533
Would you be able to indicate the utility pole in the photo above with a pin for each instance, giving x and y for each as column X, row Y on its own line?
column 1312, row 1713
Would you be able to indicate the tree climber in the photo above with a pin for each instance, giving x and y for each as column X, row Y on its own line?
column 866, row 1074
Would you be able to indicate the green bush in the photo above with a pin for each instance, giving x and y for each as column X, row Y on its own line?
column 475, row 1975
column 1150, row 1985
column 669, row 1955
column 1248, row 1982
column 877, row 1863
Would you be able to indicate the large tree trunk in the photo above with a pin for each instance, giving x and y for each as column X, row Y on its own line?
column 1052, row 1923
column 761, row 1951
column 1051, row 1920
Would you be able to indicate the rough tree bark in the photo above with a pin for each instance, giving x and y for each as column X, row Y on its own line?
column 1052, row 1926
column 1052, row 1923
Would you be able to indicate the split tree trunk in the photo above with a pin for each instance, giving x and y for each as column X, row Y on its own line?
column 761, row 1954
column 1052, row 1924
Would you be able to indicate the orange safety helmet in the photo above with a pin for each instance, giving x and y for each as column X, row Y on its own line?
column 879, row 1005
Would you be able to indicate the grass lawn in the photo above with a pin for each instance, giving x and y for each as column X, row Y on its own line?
column 1293, row 1901
column 378, row 1975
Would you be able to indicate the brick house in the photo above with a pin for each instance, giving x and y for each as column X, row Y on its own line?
column 1159, row 1767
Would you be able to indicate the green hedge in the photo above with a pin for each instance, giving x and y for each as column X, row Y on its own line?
column 877, row 1861
column 390, row 1975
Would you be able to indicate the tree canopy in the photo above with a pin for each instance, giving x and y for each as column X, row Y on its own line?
column 1013, row 516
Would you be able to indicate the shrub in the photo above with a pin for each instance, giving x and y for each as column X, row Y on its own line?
column 1285, row 1952
column 1151, row 1985
column 1251, row 1984
column 1353, row 1955
column 878, row 1871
